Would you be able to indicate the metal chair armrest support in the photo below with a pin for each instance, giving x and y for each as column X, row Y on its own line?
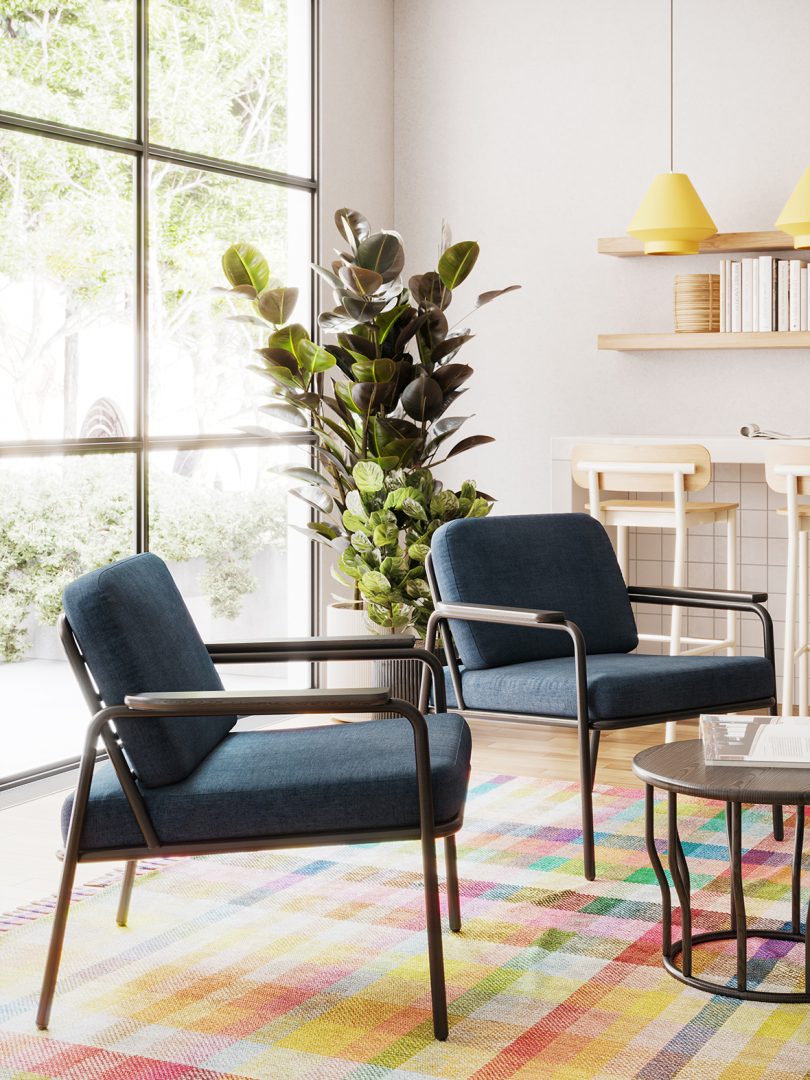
column 255, row 702
column 719, row 598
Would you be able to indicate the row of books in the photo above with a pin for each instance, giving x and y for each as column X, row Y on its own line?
column 763, row 741
column 764, row 294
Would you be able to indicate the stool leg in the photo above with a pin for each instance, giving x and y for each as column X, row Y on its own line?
column 731, row 578
column 676, row 618
column 790, row 621
column 802, row 632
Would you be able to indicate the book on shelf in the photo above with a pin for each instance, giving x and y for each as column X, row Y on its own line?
column 759, row 741
column 764, row 294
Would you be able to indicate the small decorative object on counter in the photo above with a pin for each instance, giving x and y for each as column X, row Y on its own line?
column 697, row 303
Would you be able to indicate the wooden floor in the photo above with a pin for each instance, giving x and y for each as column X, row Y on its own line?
column 532, row 750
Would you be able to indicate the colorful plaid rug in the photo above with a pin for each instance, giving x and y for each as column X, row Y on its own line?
column 312, row 965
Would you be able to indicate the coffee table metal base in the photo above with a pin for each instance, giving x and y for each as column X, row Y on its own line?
column 738, row 930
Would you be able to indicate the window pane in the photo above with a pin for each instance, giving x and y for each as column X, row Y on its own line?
column 232, row 80
column 72, row 63
column 220, row 519
column 66, row 290
column 199, row 382
column 58, row 518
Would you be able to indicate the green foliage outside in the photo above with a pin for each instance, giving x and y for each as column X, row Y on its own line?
column 57, row 523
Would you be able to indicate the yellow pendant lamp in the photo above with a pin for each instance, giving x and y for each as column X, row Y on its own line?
column 795, row 217
column 671, row 219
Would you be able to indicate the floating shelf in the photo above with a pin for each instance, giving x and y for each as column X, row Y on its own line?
column 680, row 342
column 627, row 247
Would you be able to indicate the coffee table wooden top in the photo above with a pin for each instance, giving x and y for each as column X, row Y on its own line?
column 680, row 767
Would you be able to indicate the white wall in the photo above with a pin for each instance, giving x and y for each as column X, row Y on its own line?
column 357, row 114
column 535, row 126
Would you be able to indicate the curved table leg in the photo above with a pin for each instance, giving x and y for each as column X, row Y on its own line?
column 796, row 876
column 739, row 897
column 658, row 870
column 732, row 908
column 679, row 872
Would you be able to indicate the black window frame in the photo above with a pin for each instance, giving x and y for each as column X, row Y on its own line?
column 140, row 444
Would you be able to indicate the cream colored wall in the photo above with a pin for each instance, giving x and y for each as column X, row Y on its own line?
column 534, row 126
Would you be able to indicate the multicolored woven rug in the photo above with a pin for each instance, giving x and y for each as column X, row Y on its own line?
column 312, row 965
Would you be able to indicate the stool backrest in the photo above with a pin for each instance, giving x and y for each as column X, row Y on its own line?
column 636, row 468
column 784, row 462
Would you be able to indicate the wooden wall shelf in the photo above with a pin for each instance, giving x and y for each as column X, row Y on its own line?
column 680, row 342
column 627, row 247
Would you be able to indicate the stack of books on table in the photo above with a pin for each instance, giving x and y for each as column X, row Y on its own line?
column 764, row 294
column 758, row 741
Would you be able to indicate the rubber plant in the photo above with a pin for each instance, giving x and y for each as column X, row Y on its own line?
column 393, row 368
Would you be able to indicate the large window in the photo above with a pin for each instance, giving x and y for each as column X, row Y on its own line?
column 138, row 139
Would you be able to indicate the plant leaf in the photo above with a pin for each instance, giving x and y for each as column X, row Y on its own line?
column 368, row 477
column 451, row 376
column 469, row 443
column 288, row 413
column 277, row 305
column 429, row 289
column 457, row 262
column 488, row 297
column 252, row 320
column 313, row 357
column 352, row 226
column 244, row 264
column 378, row 371
column 316, row 497
column 450, row 346
column 383, row 253
column 302, row 473
column 335, row 321
column 422, row 399
column 328, row 276
column 289, row 338
column 361, row 281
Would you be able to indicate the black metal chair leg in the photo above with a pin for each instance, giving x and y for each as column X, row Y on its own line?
column 451, row 877
column 126, row 893
column 438, row 990
column 594, row 754
column 778, row 824
column 57, row 941
column 585, row 782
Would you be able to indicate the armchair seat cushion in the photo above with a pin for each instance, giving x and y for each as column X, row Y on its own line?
column 620, row 685
column 280, row 782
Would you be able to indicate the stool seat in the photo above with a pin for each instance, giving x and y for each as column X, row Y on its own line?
column 651, row 506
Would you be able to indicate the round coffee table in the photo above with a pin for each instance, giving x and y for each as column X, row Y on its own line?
column 679, row 768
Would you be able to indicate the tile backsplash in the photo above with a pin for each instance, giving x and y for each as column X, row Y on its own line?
column 761, row 560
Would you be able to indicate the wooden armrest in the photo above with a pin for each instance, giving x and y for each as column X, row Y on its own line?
column 257, row 702
column 507, row 615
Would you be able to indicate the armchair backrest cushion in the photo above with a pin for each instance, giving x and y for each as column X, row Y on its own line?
column 137, row 636
column 553, row 562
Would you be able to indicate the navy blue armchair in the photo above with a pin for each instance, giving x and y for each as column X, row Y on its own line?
column 538, row 627
column 180, row 780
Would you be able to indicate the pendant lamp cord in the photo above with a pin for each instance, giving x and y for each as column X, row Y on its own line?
column 671, row 86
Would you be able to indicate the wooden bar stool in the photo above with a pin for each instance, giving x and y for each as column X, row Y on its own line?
column 638, row 469
column 787, row 470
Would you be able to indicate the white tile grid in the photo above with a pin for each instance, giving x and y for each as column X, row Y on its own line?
column 761, row 561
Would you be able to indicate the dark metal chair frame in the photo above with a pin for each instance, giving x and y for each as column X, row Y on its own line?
column 589, row 729
column 214, row 703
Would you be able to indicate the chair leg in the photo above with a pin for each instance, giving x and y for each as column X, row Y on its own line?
column 57, row 941
column 791, row 588
column 451, row 876
column 438, row 991
column 731, row 578
column 586, row 794
column 126, row 893
column 594, row 748
column 801, row 643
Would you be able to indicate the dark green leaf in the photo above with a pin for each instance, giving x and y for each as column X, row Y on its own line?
column 363, row 310
column 302, row 473
column 429, row 289
column 452, row 376
column 450, row 346
column 379, row 371
column 488, row 297
column 320, row 527
column 244, row 264
column 281, row 376
column 280, row 357
column 469, row 443
column 352, row 226
column 356, row 344
column 328, row 276
column 335, row 321
column 408, row 330
column 457, row 262
column 383, row 253
column 388, row 319
column 361, row 281
column 344, row 394
column 422, row 398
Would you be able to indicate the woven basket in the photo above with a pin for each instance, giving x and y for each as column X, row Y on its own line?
column 697, row 303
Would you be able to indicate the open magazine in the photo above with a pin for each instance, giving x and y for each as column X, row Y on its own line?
column 780, row 742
